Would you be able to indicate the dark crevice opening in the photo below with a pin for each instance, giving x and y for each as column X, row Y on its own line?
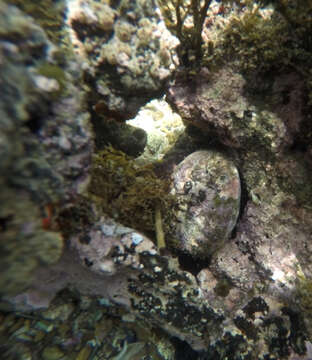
column 193, row 265
column 34, row 123
column 299, row 146
column 183, row 351
column 243, row 202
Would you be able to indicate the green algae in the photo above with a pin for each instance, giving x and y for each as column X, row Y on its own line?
column 48, row 14
column 223, row 287
column 267, row 39
column 128, row 192
column 304, row 291
column 54, row 72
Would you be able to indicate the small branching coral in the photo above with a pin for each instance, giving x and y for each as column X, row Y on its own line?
column 130, row 193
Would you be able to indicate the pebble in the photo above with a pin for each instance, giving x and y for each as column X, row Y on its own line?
column 82, row 335
column 52, row 353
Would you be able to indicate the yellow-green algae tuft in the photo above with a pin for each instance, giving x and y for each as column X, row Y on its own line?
column 54, row 72
column 264, row 38
column 128, row 192
column 48, row 14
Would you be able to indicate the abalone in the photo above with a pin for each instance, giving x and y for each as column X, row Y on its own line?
column 207, row 188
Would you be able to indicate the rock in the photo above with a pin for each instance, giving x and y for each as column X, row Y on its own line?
column 163, row 128
column 234, row 302
column 128, row 52
column 45, row 150
column 52, row 353
column 61, row 312
column 207, row 188
column 239, row 114
column 252, row 300
column 129, row 139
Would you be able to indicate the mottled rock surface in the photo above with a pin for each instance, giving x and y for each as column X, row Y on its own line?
column 45, row 146
column 206, row 186
column 262, row 114
column 163, row 128
column 128, row 52
column 250, row 300
column 212, row 312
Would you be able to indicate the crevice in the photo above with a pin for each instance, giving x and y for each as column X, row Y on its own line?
column 243, row 203
column 193, row 265
column 183, row 351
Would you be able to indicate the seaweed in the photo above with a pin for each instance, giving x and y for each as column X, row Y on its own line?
column 303, row 292
column 186, row 20
column 278, row 36
column 130, row 193
column 48, row 13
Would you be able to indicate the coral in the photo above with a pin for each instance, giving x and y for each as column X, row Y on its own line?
column 129, row 192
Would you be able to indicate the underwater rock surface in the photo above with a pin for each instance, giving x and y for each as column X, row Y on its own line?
column 45, row 149
column 211, row 312
column 254, row 115
column 207, row 188
column 252, row 300
column 127, row 50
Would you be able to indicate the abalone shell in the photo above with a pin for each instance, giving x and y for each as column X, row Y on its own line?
column 207, row 188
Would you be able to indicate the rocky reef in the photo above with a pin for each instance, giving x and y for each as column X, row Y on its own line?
column 115, row 245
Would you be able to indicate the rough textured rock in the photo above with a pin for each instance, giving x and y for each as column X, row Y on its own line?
column 207, row 189
column 45, row 146
column 262, row 114
column 127, row 138
column 135, row 276
column 269, row 256
column 251, row 300
column 163, row 128
column 79, row 327
column 212, row 312
column 128, row 52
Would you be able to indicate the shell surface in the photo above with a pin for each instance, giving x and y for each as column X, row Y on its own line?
column 207, row 187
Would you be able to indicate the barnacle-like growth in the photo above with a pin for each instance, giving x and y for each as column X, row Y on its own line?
column 130, row 193
column 185, row 18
